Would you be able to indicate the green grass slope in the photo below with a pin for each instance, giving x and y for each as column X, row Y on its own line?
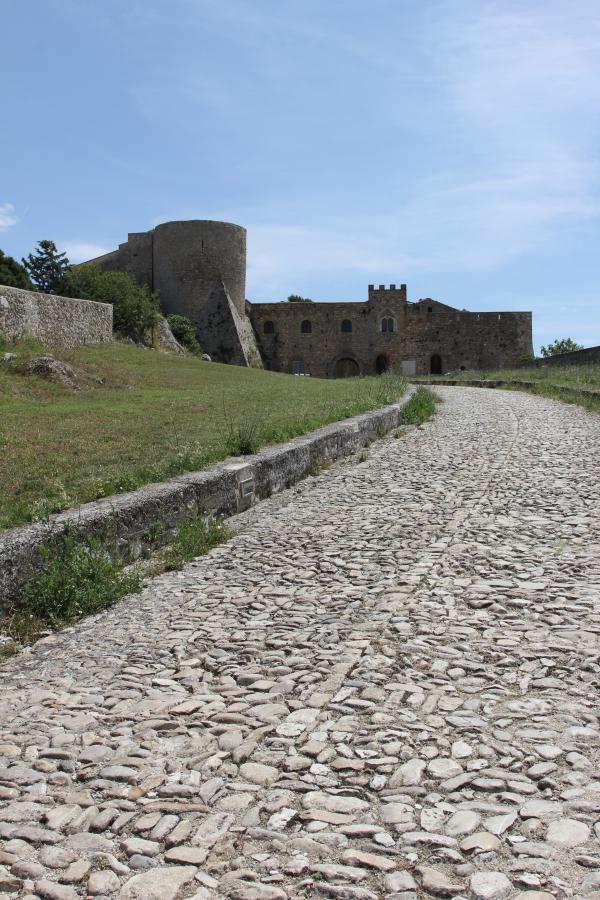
column 143, row 416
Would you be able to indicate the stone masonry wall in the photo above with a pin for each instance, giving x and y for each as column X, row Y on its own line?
column 56, row 321
column 588, row 357
column 422, row 331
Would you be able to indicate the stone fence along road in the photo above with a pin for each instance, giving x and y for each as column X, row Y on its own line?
column 385, row 686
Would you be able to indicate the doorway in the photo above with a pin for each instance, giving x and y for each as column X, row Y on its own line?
column 382, row 364
column 435, row 366
column 346, row 368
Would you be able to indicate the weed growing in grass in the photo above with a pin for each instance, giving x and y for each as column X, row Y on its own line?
column 77, row 578
column 420, row 407
column 241, row 435
column 194, row 537
column 243, row 438
column 57, row 498
column 389, row 387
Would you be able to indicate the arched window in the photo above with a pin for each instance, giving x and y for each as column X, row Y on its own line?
column 346, row 325
column 269, row 328
column 387, row 324
column 306, row 327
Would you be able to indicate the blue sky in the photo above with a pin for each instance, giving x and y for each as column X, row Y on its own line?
column 450, row 144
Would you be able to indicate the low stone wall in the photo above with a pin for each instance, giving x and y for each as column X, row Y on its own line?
column 511, row 383
column 589, row 356
column 55, row 321
column 132, row 524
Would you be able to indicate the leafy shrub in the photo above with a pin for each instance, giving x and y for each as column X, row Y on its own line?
column 296, row 298
column 135, row 308
column 13, row 274
column 183, row 331
column 77, row 578
column 564, row 345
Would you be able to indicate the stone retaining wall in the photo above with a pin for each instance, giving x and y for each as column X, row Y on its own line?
column 589, row 356
column 511, row 382
column 135, row 523
column 54, row 320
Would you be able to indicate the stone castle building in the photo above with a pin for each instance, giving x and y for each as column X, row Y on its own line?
column 199, row 270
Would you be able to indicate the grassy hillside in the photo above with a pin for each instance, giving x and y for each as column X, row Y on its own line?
column 144, row 416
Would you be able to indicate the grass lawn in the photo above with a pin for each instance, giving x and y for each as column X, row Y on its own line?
column 144, row 416
column 548, row 381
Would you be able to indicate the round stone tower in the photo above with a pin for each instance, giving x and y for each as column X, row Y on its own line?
column 191, row 258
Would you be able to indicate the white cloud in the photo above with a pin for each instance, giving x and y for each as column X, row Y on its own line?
column 80, row 251
column 8, row 217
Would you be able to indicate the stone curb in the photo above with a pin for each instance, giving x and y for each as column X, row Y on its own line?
column 140, row 521
column 510, row 382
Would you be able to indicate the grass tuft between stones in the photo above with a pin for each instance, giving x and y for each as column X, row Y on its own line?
column 194, row 537
column 420, row 407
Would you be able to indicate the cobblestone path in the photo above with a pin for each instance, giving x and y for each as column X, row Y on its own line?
column 385, row 687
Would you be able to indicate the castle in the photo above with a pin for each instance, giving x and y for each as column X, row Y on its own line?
column 199, row 270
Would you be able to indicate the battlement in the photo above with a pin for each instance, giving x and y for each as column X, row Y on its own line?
column 387, row 293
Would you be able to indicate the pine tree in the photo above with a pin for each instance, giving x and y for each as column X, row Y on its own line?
column 47, row 267
column 13, row 274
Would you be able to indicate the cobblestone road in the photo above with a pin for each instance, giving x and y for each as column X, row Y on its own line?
column 386, row 686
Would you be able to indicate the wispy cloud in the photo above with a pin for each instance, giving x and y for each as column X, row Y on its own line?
column 8, row 216
column 81, row 251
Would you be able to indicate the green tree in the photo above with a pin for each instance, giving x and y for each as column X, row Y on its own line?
column 564, row 345
column 13, row 274
column 135, row 308
column 46, row 267
column 296, row 298
column 183, row 331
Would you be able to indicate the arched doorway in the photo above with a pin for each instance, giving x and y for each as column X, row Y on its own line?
column 346, row 368
column 435, row 366
column 382, row 364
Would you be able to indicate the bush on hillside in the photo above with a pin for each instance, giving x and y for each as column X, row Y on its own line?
column 135, row 308
column 13, row 274
column 183, row 331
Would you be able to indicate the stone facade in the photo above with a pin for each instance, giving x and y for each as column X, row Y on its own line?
column 56, row 321
column 199, row 270
column 330, row 340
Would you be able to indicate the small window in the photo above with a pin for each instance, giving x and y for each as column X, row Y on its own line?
column 269, row 328
column 306, row 327
column 346, row 325
column 430, row 309
column 387, row 324
column 297, row 367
